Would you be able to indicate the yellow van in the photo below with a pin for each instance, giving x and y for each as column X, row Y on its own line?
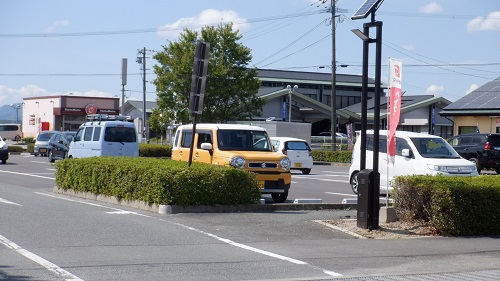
column 241, row 146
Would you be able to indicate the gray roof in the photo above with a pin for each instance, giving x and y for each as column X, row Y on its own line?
column 408, row 103
column 484, row 97
column 311, row 77
column 150, row 105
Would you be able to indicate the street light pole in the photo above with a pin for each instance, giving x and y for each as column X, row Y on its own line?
column 16, row 107
column 290, row 91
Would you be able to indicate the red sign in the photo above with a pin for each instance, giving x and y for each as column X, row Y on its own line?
column 394, row 104
column 90, row 109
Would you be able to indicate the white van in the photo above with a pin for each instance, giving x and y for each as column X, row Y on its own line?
column 104, row 135
column 416, row 154
column 11, row 131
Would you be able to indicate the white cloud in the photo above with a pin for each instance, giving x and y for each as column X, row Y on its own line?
column 206, row 17
column 56, row 25
column 434, row 89
column 471, row 88
column 491, row 22
column 409, row 47
column 431, row 8
column 11, row 95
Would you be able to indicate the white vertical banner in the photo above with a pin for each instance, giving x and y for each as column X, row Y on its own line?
column 395, row 75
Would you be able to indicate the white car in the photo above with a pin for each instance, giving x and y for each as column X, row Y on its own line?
column 298, row 150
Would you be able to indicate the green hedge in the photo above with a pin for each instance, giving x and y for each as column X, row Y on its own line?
column 457, row 206
column 28, row 140
column 15, row 148
column 155, row 150
column 343, row 156
column 158, row 181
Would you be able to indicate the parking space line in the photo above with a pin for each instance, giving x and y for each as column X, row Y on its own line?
column 26, row 174
column 41, row 261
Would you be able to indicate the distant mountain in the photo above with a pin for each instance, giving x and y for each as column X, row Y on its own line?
column 8, row 114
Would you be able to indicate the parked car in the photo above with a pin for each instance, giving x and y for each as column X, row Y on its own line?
column 298, row 150
column 58, row 145
column 416, row 154
column 42, row 142
column 482, row 149
column 105, row 135
column 4, row 151
column 11, row 131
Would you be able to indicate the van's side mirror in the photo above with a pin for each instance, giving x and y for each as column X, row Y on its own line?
column 275, row 148
column 405, row 152
column 206, row 146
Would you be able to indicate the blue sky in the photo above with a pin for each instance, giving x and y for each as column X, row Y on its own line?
column 54, row 47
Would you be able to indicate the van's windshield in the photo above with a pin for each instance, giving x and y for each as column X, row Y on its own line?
column 247, row 140
column 434, row 148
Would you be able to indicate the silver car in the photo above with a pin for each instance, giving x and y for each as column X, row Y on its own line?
column 42, row 143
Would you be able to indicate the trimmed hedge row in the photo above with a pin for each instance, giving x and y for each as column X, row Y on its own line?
column 455, row 206
column 159, row 150
column 158, row 181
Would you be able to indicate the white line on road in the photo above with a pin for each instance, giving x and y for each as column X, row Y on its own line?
column 256, row 250
column 333, row 193
column 8, row 202
column 25, row 174
column 41, row 261
column 120, row 211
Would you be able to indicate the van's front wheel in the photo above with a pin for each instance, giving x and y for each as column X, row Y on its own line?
column 279, row 197
column 354, row 183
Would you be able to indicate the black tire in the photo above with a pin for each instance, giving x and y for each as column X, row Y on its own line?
column 306, row 171
column 65, row 155
column 36, row 155
column 49, row 155
column 279, row 197
column 354, row 183
column 17, row 138
column 4, row 161
column 497, row 170
column 478, row 166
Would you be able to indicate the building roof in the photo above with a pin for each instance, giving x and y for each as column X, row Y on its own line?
column 408, row 103
column 312, row 77
column 150, row 105
column 485, row 100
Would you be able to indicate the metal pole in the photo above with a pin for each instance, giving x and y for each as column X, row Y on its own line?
column 364, row 98
column 145, row 117
column 333, row 118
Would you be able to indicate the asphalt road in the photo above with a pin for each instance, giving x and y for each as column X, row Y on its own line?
column 47, row 236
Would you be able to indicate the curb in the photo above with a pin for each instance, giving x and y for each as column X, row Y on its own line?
column 176, row 209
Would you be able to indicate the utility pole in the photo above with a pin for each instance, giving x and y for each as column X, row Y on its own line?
column 334, row 82
column 141, row 59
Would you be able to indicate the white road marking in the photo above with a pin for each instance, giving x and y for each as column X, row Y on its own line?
column 26, row 174
column 120, row 211
column 256, row 250
column 350, row 194
column 41, row 261
column 8, row 202
column 44, row 162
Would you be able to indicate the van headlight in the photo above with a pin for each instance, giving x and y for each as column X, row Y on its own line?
column 438, row 168
column 285, row 163
column 4, row 147
column 237, row 162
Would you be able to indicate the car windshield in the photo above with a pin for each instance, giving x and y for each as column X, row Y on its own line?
column 44, row 136
column 434, row 148
column 248, row 140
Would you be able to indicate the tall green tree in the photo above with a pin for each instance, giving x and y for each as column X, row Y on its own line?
column 231, row 87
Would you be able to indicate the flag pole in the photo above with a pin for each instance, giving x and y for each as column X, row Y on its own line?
column 387, row 135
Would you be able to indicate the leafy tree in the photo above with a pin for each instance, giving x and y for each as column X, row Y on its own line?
column 231, row 88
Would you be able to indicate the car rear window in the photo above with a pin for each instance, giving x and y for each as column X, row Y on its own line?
column 119, row 134
column 44, row 136
column 297, row 145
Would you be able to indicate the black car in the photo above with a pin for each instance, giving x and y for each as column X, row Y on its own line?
column 58, row 145
column 482, row 149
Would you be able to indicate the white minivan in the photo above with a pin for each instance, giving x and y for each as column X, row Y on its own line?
column 416, row 154
column 104, row 135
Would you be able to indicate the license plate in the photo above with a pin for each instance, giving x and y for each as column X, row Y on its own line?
column 298, row 165
column 261, row 184
column 43, row 150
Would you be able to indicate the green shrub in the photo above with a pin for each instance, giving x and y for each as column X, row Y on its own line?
column 28, row 140
column 343, row 156
column 155, row 150
column 16, row 148
column 30, row 148
column 456, row 206
column 158, row 181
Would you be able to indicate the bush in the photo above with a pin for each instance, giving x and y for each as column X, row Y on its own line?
column 28, row 140
column 16, row 148
column 158, row 181
column 332, row 156
column 452, row 205
column 30, row 148
column 155, row 150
